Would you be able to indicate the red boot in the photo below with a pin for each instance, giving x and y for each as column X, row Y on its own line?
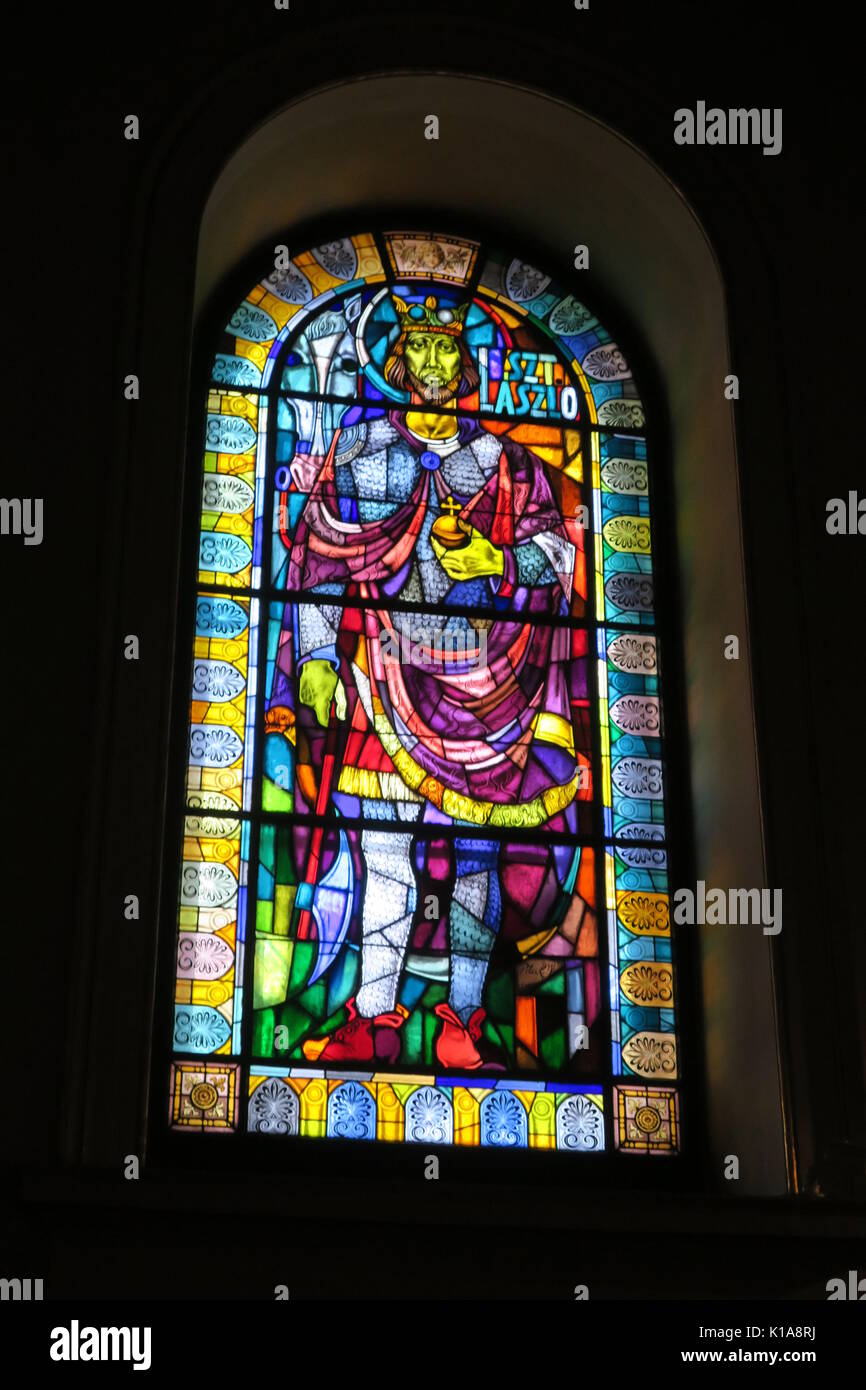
column 462, row 1048
column 359, row 1039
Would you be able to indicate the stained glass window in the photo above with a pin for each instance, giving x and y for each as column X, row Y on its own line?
column 423, row 896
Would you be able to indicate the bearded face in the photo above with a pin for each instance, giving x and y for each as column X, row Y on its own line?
column 434, row 365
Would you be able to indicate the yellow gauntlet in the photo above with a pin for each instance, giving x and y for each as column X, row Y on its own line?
column 319, row 685
column 477, row 557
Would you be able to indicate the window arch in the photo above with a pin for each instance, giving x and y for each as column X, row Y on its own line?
column 424, row 891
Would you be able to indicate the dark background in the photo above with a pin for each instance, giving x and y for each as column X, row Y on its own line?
column 75, row 238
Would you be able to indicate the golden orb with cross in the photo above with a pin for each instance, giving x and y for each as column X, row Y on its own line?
column 447, row 530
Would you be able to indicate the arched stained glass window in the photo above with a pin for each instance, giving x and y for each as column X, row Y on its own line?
column 424, row 891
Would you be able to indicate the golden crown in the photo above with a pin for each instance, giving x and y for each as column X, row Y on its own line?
column 429, row 317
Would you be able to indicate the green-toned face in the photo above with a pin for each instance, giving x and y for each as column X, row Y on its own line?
column 434, row 358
